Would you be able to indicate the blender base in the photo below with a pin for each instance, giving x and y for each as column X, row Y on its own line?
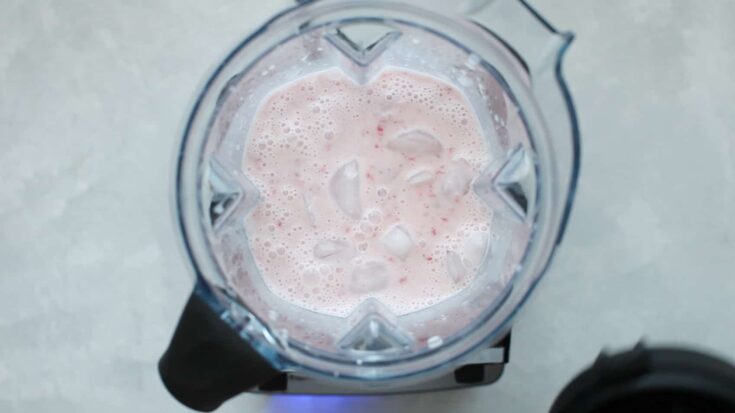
column 483, row 368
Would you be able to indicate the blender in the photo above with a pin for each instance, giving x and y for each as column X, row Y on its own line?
column 235, row 335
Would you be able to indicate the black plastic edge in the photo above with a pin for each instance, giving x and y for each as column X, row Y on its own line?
column 652, row 380
column 207, row 362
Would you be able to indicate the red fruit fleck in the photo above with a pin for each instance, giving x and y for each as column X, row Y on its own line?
column 433, row 231
column 429, row 258
column 402, row 280
column 380, row 130
column 444, row 219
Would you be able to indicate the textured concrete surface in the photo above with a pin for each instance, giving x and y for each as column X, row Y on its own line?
column 93, row 95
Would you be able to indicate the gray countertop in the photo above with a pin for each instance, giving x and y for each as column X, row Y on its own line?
column 93, row 95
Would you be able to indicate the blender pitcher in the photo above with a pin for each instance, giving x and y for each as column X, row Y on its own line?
column 236, row 335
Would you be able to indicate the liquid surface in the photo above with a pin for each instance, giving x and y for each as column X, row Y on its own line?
column 366, row 191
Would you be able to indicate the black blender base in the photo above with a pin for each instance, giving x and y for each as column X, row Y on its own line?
column 484, row 368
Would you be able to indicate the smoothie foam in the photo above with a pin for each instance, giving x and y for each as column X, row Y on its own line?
column 366, row 191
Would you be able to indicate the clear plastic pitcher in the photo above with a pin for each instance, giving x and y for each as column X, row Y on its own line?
column 506, row 59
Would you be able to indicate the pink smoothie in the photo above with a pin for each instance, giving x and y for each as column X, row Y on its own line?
column 366, row 191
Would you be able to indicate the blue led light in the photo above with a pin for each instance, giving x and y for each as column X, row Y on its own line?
column 320, row 403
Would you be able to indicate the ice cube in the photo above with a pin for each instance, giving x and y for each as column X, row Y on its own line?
column 455, row 269
column 419, row 176
column 415, row 143
column 397, row 241
column 309, row 208
column 328, row 249
column 474, row 247
column 345, row 189
column 369, row 277
column 456, row 181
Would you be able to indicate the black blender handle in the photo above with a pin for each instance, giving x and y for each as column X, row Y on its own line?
column 208, row 362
